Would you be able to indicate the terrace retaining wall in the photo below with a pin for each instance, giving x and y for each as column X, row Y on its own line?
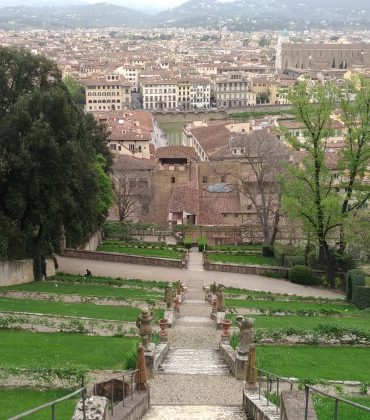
column 123, row 258
column 21, row 271
column 245, row 269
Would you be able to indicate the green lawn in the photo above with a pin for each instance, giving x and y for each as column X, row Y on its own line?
column 234, row 247
column 309, row 322
column 147, row 252
column 317, row 362
column 61, row 288
column 15, row 401
column 108, row 281
column 90, row 310
column 242, row 259
column 24, row 349
column 294, row 306
column 325, row 408
column 367, row 280
column 261, row 295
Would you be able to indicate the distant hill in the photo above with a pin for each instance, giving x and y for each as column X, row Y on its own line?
column 273, row 14
column 234, row 14
column 74, row 16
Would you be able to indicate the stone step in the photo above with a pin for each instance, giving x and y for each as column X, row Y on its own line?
column 193, row 362
column 194, row 412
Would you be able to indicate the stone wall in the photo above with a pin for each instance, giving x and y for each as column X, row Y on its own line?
column 20, row 271
column 245, row 269
column 292, row 406
column 93, row 242
column 256, row 407
column 123, row 258
column 228, row 354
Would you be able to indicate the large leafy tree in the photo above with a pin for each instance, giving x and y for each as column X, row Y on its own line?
column 312, row 192
column 55, row 161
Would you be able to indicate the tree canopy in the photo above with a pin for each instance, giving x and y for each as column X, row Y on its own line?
column 54, row 159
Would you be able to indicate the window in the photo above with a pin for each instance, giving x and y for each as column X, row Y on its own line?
column 173, row 180
column 205, row 180
column 223, row 178
column 131, row 147
column 132, row 182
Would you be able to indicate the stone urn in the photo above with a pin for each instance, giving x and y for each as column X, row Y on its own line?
column 177, row 304
column 163, row 334
column 226, row 324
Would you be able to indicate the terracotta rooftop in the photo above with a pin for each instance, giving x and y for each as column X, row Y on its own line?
column 175, row 152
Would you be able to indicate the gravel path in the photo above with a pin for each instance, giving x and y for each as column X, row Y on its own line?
column 194, row 277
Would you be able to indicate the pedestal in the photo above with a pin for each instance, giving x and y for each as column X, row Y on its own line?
column 240, row 364
column 149, row 361
column 219, row 318
column 169, row 315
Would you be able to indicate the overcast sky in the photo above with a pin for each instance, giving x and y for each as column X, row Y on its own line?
column 134, row 4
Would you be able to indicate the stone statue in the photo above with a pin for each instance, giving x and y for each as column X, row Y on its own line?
column 145, row 329
column 168, row 296
column 246, row 333
column 220, row 298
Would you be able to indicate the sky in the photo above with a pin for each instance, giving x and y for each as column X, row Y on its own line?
column 134, row 4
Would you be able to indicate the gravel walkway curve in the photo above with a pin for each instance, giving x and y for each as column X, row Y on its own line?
column 194, row 277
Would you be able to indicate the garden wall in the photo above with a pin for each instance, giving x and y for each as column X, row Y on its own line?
column 123, row 258
column 246, row 269
column 21, row 271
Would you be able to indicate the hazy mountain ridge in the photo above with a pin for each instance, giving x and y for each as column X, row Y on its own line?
column 234, row 14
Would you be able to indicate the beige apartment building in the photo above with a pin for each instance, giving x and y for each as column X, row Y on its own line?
column 232, row 91
column 108, row 94
column 159, row 94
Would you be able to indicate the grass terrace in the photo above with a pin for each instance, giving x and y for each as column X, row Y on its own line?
column 142, row 250
column 249, row 247
column 108, row 281
column 86, row 290
column 90, row 310
column 315, row 362
column 342, row 309
column 18, row 400
column 242, row 259
column 325, row 407
column 24, row 349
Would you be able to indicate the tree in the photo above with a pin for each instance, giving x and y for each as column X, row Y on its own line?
column 310, row 192
column 355, row 155
column 125, row 196
column 53, row 174
column 76, row 90
column 258, row 181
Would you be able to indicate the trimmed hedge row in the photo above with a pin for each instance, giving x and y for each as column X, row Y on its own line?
column 355, row 278
column 301, row 274
column 361, row 296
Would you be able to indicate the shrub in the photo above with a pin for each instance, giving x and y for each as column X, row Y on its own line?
column 188, row 242
column 301, row 274
column 267, row 250
column 345, row 262
column 202, row 244
column 361, row 296
column 313, row 261
column 355, row 278
column 298, row 260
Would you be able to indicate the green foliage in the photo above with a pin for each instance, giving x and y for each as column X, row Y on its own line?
column 242, row 258
column 301, row 274
column 188, row 242
column 76, row 90
column 355, row 278
column 361, row 296
column 131, row 357
column 202, row 244
column 51, row 148
column 164, row 252
column 105, row 194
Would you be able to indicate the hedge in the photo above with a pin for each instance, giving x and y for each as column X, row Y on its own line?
column 267, row 250
column 355, row 278
column 188, row 242
column 202, row 244
column 301, row 274
column 361, row 296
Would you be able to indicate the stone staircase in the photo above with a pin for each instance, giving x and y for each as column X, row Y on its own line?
column 193, row 382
